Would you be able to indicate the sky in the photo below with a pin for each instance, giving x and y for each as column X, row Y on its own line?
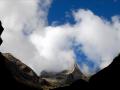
column 54, row 35
column 60, row 10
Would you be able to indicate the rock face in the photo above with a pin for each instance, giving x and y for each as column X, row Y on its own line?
column 7, row 79
column 20, row 71
column 109, row 77
column 47, row 80
column 62, row 79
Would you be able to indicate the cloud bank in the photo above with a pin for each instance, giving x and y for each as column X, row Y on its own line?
column 42, row 47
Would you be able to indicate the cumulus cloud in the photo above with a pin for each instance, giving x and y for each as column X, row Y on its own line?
column 100, row 38
column 20, row 18
column 28, row 37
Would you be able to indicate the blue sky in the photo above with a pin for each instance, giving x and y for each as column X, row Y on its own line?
column 60, row 10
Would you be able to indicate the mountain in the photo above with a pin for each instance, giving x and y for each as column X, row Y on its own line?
column 19, row 70
column 109, row 77
column 14, row 70
column 62, row 79
column 13, row 80
column 47, row 80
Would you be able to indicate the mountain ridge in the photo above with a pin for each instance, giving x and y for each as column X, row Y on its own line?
column 49, row 80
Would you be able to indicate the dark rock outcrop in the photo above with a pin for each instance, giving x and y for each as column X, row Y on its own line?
column 7, row 79
column 1, row 30
column 109, row 77
column 20, row 71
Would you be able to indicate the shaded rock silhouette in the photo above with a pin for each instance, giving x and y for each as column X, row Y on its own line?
column 7, row 80
column 109, row 77
column 20, row 71
column 1, row 30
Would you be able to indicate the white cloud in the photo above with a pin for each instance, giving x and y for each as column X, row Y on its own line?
column 53, row 47
column 21, row 17
column 50, row 47
column 98, row 37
